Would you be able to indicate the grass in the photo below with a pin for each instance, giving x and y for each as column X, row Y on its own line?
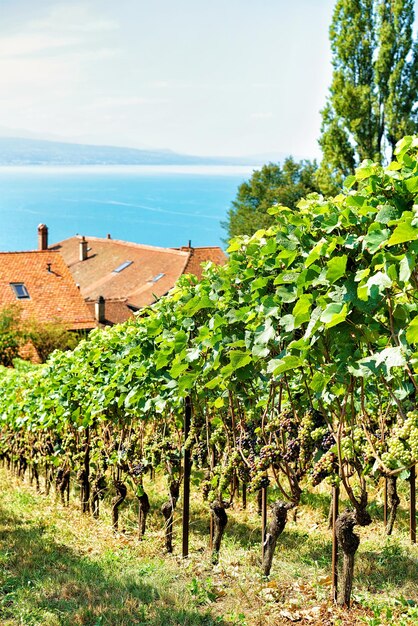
column 60, row 568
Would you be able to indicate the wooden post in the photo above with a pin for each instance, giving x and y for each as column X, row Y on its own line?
column 412, row 506
column 211, row 533
column 334, row 566
column 244, row 495
column 263, row 519
column 385, row 501
column 186, row 477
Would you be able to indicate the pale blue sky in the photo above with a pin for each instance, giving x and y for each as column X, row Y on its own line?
column 221, row 77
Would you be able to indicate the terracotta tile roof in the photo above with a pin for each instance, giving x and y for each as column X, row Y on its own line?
column 151, row 272
column 53, row 294
column 197, row 256
column 116, row 311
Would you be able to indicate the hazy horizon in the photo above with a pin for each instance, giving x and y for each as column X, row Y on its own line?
column 224, row 79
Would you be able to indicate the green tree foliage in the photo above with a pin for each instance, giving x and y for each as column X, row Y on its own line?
column 31, row 339
column 273, row 184
column 10, row 335
column 372, row 100
column 46, row 338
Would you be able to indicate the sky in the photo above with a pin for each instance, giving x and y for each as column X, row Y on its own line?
column 204, row 77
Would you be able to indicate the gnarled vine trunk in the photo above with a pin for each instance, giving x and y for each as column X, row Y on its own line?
column 277, row 525
column 23, row 464
column 35, row 477
column 219, row 521
column 349, row 543
column 117, row 501
column 168, row 511
column 47, row 479
column 62, row 483
column 98, row 491
column 393, row 502
column 143, row 510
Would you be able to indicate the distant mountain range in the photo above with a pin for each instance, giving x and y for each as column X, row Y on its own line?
column 26, row 151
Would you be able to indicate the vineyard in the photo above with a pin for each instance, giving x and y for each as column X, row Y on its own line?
column 292, row 366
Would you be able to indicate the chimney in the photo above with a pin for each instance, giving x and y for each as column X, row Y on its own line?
column 83, row 249
column 99, row 310
column 42, row 237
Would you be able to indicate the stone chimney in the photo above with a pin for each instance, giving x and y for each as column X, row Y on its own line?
column 99, row 310
column 83, row 249
column 42, row 237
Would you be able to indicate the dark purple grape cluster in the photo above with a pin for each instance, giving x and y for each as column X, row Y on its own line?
column 268, row 456
column 264, row 482
column 247, row 441
column 138, row 469
column 292, row 451
column 327, row 442
column 288, row 425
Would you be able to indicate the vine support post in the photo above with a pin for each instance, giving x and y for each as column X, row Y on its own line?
column 334, row 563
column 263, row 520
column 85, row 505
column 385, row 501
column 186, row 477
column 244, row 495
column 413, row 506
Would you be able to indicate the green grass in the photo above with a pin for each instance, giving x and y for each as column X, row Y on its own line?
column 60, row 568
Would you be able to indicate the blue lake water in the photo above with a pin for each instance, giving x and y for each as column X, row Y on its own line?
column 156, row 205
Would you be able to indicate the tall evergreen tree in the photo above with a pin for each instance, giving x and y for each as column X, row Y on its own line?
column 373, row 98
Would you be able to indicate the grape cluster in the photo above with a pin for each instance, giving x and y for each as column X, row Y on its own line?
column 402, row 445
column 243, row 472
column 199, row 454
column 217, row 437
column 327, row 442
column 161, row 449
column 288, row 425
column 138, row 469
column 259, row 481
column 268, row 455
column 293, row 450
column 324, row 468
column 247, row 441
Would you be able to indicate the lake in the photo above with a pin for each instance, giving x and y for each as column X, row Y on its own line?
column 156, row 205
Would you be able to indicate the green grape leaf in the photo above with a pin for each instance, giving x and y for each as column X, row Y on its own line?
column 278, row 366
column 334, row 314
column 403, row 232
column 412, row 331
column 336, row 268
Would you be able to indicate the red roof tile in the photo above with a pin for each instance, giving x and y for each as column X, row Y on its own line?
column 198, row 256
column 53, row 294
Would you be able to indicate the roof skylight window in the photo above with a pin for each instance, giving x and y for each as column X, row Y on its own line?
column 20, row 291
column 157, row 278
column 122, row 267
